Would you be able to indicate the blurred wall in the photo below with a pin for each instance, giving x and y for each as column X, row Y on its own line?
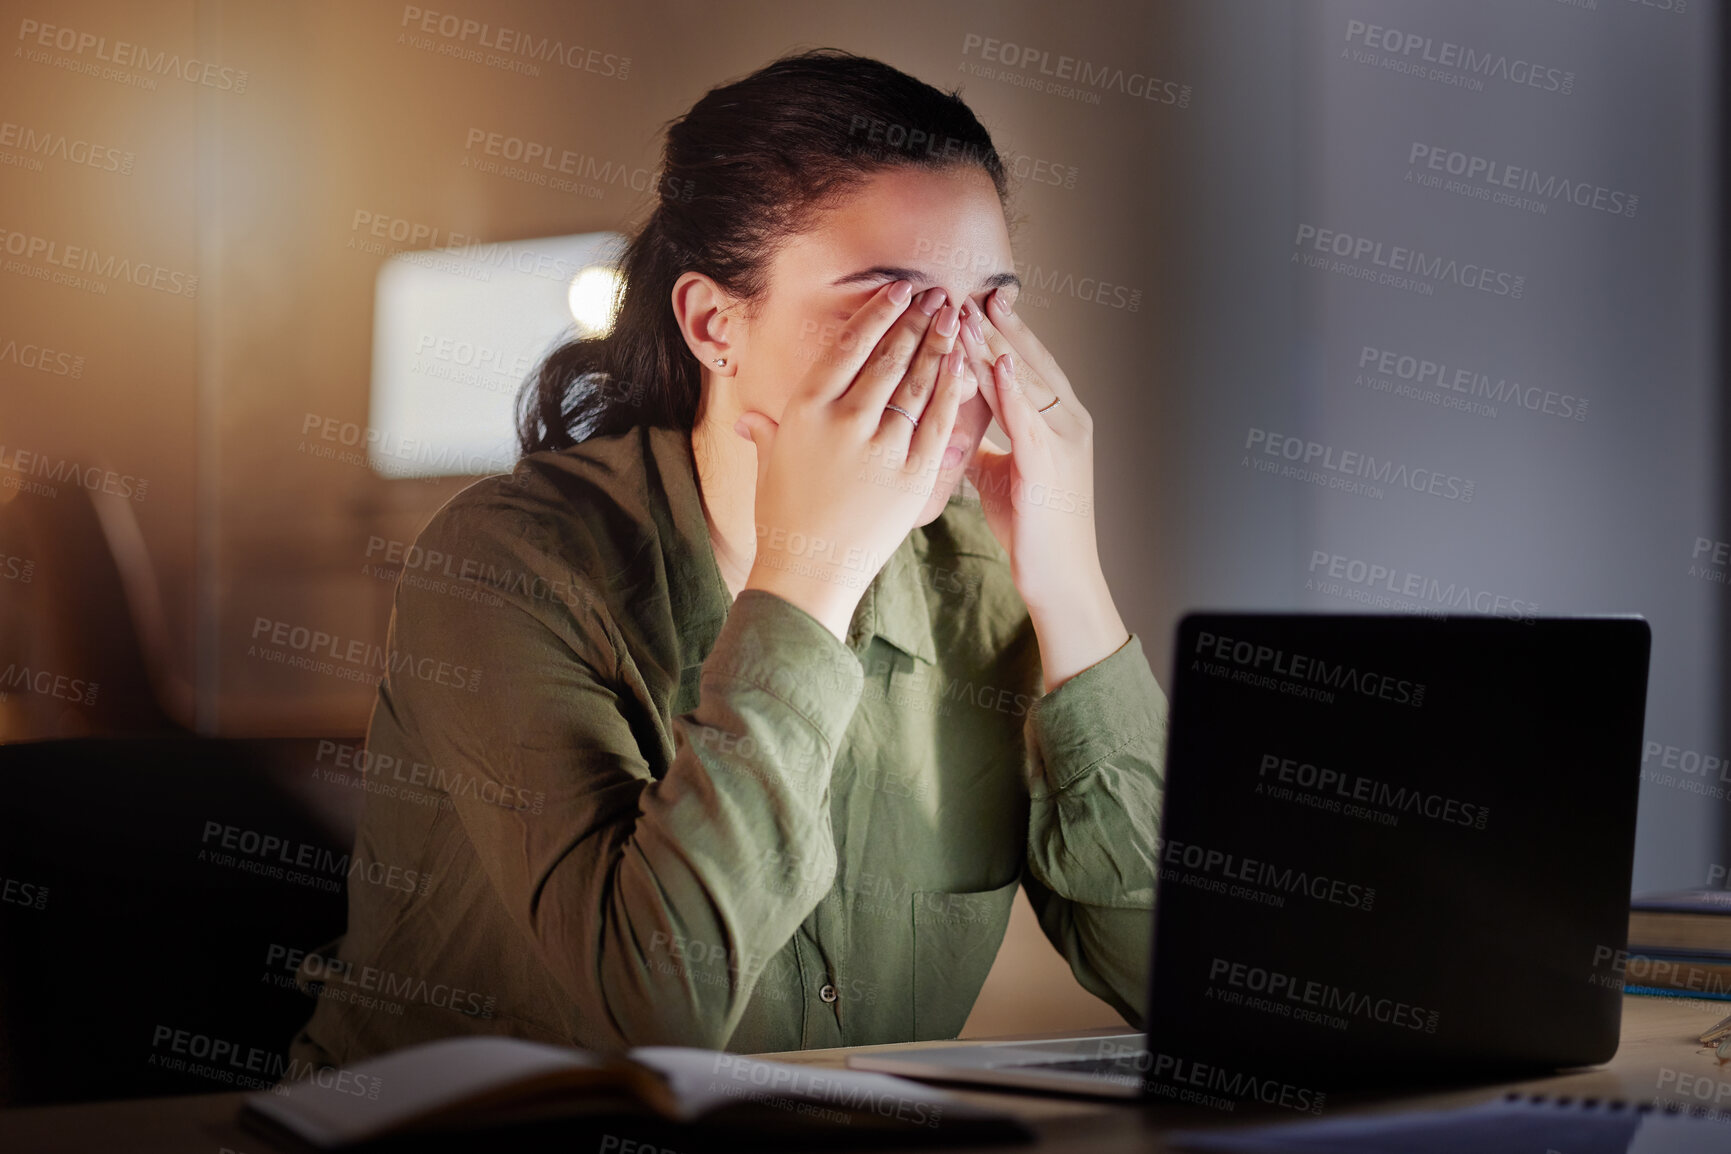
column 1450, row 339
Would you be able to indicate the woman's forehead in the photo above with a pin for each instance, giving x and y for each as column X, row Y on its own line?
column 944, row 227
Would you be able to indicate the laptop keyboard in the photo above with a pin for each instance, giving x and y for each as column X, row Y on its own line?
column 1125, row 1065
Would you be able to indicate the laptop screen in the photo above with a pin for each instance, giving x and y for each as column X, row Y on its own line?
column 1396, row 843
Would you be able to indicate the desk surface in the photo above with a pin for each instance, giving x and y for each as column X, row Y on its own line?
column 1659, row 1061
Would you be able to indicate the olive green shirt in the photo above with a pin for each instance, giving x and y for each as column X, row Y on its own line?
column 607, row 806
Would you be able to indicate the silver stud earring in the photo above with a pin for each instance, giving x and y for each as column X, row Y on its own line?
column 721, row 362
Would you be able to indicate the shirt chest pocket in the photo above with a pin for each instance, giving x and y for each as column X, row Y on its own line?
column 956, row 939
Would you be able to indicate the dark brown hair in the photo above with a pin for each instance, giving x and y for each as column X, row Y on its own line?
column 749, row 166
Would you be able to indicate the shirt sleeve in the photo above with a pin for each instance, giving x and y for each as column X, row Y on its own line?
column 655, row 903
column 1096, row 748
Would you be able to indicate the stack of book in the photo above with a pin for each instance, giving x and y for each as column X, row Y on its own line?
column 1680, row 944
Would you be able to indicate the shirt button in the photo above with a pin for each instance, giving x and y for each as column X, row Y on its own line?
column 828, row 993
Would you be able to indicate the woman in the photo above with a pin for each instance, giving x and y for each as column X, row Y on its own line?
column 765, row 719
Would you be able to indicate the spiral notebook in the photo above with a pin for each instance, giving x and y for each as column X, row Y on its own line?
column 1517, row 1124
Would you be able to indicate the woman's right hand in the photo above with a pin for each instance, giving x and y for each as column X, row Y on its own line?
column 841, row 479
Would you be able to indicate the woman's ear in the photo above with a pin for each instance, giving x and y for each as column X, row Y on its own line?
column 705, row 313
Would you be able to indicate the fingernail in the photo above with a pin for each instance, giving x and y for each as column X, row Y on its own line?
column 901, row 291
column 930, row 300
column 974, row 329
column 739, row 427
column 947, row 321
column 1005, row 297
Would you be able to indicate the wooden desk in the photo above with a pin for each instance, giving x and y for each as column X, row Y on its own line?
column 1658, row 1061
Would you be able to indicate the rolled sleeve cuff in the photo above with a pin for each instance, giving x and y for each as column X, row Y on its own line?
column 772, row 644
column 1094, row 714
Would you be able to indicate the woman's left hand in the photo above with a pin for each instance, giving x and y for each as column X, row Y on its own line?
column 1038, row 497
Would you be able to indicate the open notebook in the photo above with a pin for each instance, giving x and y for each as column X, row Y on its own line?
column 482, row 1082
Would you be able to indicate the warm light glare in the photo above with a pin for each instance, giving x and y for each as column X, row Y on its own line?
column 592, row 296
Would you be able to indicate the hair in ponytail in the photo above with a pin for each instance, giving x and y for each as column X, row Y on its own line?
column 750, row 165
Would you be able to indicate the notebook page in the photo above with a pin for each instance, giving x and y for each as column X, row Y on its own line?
column 705, row 1079
column 392, row 1090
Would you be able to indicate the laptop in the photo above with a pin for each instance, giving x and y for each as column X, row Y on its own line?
column 1393, row 848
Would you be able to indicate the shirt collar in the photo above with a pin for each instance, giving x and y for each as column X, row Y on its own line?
column 893, row 607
